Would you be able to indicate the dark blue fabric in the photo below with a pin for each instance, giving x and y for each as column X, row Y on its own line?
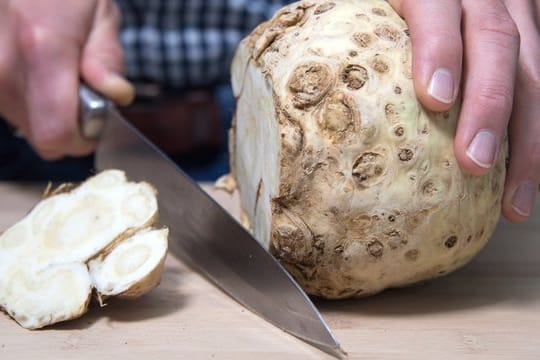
column 18, row 161
column 187, row 43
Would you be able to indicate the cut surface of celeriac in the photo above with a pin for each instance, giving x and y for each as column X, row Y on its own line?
column 97, row 236
column 342, row 174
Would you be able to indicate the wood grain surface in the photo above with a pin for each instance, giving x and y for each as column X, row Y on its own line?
column 490, row 309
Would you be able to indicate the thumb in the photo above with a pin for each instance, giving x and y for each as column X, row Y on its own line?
column 102, row 58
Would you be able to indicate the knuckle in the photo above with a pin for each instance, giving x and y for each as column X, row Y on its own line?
column 534, row 152
column 35, row 38
column 447, row 42
column 499, row 25
column 527, row 160
column 531, row 78
column 495, row 97
column 112, row 50
column 524, row 154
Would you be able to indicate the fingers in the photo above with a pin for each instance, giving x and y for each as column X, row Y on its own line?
column 55, row 41
column 491, row 46
column 437, row 49
column 102, row 58
column 524, row 169
column 523, row 172
column 51, row 81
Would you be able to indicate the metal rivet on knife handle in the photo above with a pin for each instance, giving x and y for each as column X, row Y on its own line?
column 93, row 111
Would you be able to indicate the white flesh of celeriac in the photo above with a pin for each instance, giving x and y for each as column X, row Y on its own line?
column 105, row 223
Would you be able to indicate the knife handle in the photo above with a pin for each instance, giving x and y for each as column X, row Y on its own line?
column 93, row 112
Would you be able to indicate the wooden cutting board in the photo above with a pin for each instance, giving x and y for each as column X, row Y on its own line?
column 488, row 310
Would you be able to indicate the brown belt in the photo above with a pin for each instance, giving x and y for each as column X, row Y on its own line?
column 178, row 123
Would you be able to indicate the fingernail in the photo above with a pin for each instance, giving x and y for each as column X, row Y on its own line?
column 523, row 199
column 441, row 86
column 119, row 89
column 482, row 149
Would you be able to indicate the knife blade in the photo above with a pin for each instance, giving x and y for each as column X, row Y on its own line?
column 202, row 233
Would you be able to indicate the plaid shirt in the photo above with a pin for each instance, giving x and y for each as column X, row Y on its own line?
column 187, row 43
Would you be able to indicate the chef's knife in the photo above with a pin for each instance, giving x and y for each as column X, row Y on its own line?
column 203, row 233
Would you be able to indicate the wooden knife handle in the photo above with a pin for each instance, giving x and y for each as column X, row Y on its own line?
column 93, row 112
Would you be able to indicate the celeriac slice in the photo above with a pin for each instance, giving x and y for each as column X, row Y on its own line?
column 44, row 276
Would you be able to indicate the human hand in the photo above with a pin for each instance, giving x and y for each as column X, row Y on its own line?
column 46, row 47
column 491, row 50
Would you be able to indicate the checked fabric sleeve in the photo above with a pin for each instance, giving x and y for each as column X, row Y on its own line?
column 187, row 43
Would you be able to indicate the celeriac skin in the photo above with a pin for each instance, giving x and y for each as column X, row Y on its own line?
column 343, row 175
